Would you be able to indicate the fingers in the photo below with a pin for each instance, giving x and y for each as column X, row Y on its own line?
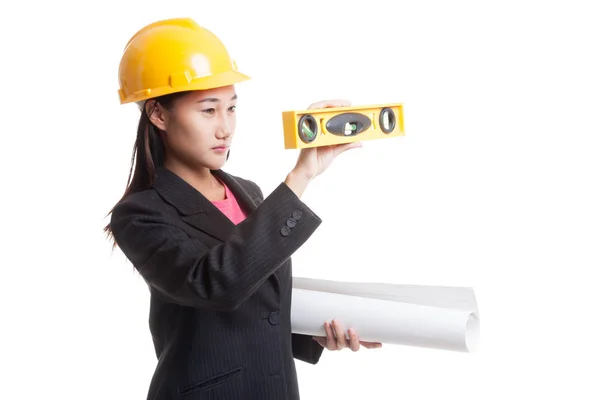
column 330, row 103
column 331, row 342
column 339, row 335
column 354, row 343
column 371, row 345
column 339, row 149
column 336, row 339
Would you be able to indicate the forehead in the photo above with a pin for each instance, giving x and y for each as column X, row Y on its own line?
column 222, row 94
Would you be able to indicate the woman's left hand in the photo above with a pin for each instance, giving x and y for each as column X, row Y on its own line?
column 336, row 339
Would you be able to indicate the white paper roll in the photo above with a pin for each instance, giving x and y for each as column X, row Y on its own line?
column 386, row 321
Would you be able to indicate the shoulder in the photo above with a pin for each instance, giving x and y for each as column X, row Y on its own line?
column 143, row 221
column 146, row 204
column 148, row 198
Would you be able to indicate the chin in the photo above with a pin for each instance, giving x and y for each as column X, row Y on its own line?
column 215, row 164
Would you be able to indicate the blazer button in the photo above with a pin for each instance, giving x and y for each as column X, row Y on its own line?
column 274, row 318
column 291, row 222
column 297, row 215
column 285, row 230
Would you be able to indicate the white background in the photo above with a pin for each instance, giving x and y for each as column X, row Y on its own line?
column 494, row 186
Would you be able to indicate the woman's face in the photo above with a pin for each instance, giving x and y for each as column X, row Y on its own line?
column 199, row 127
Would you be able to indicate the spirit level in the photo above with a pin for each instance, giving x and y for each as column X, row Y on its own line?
column 337, row 125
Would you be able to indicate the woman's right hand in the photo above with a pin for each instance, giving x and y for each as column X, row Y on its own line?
column 313, row 161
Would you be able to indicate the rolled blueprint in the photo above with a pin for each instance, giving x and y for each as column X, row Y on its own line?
column 442, row 318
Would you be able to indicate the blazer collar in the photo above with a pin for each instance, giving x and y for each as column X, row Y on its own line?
column 195, row 209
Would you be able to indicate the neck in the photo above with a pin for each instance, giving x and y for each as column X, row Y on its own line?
column 200, row 178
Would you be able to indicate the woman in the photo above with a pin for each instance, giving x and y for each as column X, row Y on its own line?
column 214, row 252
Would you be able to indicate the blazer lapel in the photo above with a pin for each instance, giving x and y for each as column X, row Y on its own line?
column 247, row 198
column 195, row 209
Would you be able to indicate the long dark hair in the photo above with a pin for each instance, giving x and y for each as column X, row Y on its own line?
column 148, row 152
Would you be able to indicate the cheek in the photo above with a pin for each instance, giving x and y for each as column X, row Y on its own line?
column 231, row 124
column 190, row 135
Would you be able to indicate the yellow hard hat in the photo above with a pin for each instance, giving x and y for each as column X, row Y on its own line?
column 174, row 55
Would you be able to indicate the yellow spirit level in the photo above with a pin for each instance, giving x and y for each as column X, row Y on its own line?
column 337, row 125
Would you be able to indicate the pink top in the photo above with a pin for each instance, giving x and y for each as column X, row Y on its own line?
column 230, row 207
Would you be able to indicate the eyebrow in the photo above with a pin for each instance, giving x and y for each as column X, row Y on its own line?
column 214, row 99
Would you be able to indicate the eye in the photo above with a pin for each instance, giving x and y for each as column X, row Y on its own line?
column 209, row 111
column 232, row 108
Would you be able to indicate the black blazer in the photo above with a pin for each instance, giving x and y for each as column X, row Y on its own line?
column 220, row 293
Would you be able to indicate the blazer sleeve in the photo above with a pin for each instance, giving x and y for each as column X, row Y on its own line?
column 305, row 348
column 221, row 277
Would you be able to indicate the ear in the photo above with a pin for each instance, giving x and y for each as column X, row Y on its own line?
column 157, row 114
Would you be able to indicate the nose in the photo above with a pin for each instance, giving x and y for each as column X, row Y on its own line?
column 225, row 128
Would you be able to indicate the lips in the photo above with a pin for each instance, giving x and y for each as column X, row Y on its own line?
column 221, row 149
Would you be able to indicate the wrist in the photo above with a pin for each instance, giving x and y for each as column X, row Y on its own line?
column 303, row 173
column 297, row 181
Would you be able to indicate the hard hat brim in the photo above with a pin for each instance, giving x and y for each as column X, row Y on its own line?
column 223, row 79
